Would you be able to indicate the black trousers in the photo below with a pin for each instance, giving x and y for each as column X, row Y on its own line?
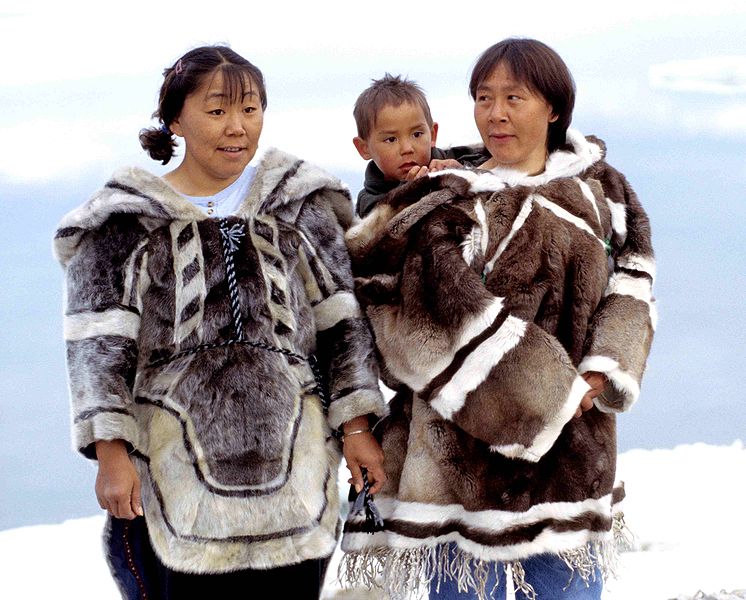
column 141, row 576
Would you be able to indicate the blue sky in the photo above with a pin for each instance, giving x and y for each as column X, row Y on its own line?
column 664, row 83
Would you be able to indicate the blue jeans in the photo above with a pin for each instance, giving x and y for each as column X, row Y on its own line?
column 548, row 574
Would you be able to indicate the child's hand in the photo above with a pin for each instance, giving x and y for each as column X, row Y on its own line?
column 440, row 164
column 597, row 381
column 415, row 173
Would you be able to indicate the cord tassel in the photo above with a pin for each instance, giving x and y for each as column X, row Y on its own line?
column 364, row 502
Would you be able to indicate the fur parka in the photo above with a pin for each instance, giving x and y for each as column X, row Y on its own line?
column 489, row 295
column 195, row 339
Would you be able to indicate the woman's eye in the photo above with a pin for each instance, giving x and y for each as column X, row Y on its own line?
column 217, row 111
column 250, row 109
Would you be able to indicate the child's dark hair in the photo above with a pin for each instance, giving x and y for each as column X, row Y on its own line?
column 390, row 90
column 540, row 68
column 185, row 76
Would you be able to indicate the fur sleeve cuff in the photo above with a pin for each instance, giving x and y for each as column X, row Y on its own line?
column 622, row 389
column 356, row 404
column 104, row 425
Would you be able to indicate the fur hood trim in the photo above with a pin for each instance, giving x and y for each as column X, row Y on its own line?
column 133, row 190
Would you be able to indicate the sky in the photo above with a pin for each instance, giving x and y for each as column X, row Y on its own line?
column 663, row 83
column 672, row 555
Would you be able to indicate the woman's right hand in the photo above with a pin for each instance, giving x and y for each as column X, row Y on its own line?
column 117, row 482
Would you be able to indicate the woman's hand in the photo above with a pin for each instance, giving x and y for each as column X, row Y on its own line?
column 597, row 381
column 363, row 450
column 117, row 482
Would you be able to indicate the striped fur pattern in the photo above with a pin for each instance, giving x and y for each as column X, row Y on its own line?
column 489, row 295
column 169, row 319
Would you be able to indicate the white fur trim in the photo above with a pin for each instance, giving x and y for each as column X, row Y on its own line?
column 477, row 366
column 109, row 322
column 637, row 262
column 567, row 216
column 424, row 374
column 588, row 194
column 340, row 306
column 546, row 438
column 520, row 219
column 618, row 217
column 637, row 287
column 491, row 521
column 623, row 382
column 470, row 247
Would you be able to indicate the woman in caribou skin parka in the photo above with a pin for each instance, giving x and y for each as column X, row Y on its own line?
column 512, row 309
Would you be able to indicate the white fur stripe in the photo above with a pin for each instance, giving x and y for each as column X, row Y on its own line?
column 629, row 285
column 492, row 521
column 637, row 262
column 489, row 521
column 567, row 216
column 477, row 366
column 131, row 276
column 469, row 331
column 517, row 224
column 618, row 217
column 623, row 382
column 549, row 434
column 482, row 217
column 470, row 246
column 637, row 287
column 588, row 193
column 334, row 309
column 93, row 324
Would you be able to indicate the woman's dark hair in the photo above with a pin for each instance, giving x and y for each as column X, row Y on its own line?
column 184, row 77
column 536, row 65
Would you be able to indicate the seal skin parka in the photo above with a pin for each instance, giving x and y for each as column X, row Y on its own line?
column 188, row 337
column 489, row 295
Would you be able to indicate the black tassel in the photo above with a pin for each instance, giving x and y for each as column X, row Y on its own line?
column 364, row 502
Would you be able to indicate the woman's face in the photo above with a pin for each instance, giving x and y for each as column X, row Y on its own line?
column 513, row 121
column 221, row 136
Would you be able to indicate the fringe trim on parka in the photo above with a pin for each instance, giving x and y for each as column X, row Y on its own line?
column 401, row 573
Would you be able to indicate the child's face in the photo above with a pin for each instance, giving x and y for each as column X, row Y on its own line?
column 399, row 140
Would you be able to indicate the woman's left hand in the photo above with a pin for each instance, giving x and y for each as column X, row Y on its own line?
column 363, row 450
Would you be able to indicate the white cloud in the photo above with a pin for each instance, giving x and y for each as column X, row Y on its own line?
column 711, row 75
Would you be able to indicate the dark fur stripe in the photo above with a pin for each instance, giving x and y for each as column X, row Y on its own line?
column 275, row 194
column 589, row 521
column 68, row 232
column 103, row 308
column 185, row 236
column 635, row 273
column 156, row 206
column 89, row 414
column 458, row 360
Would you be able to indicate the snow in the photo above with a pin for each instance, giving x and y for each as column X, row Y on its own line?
column 685, row 507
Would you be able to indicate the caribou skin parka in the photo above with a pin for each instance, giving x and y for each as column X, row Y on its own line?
column 489, row 295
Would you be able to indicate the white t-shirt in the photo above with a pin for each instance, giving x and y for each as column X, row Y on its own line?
column 226, row 201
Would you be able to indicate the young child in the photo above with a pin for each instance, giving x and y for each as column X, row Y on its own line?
column 397, row 134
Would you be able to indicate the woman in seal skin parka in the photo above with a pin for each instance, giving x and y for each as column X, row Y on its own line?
column 206, row 312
